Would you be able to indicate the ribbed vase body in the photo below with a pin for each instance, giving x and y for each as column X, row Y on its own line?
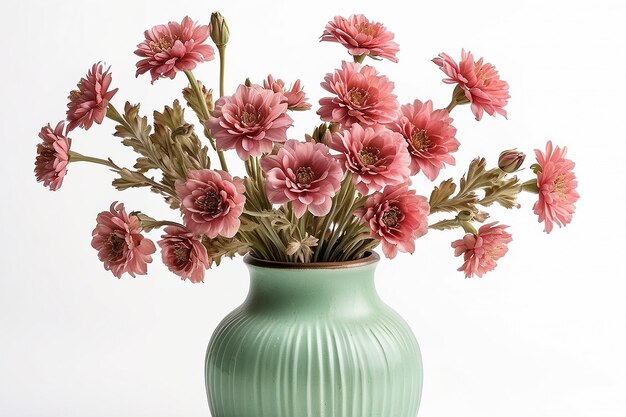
column 313, row 343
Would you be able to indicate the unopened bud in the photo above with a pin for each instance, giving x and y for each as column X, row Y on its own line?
column 219, row 29
column 510, row 161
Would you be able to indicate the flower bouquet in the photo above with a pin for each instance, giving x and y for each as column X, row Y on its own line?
column 320, row 204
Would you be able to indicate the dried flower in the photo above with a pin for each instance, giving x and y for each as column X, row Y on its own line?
column 362, row 37
column 302, row 248
column 482, row 250
column 397, row 217
column 376, row 156
column 429, row 136
column 296, row 98
column 303, row 173
column 250, row 121
column 361, row 96
column 510, row 161
column 89, row 103
column 120, row 244
column 477, row 82
column 184, row 254
column 168, row 49
column 557, row 187
column 52, row 156
column 211, row 202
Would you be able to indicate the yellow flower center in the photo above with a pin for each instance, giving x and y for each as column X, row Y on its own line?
column 419, row 140
column 368, row 155
column 163, row 43
column 358, row 97
column 181, row 253
column 559, row 187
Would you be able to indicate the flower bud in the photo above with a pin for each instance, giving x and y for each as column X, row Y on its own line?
column 219, row 29
column 510, row 161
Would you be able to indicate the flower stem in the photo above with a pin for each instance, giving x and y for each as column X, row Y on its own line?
column 530, row 186
column 205, row 114
column 359, row 58
column 222, row 52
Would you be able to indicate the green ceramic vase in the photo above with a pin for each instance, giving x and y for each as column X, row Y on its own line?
column 313, row 340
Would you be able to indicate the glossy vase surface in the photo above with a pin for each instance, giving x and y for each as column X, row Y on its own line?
column 313, row 341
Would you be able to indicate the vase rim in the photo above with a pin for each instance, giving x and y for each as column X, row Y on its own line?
column 370, row 258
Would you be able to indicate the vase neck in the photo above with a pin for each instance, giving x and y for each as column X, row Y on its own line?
column 317, row 291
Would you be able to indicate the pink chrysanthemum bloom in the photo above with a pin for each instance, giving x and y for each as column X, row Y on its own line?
column 481, row 251
column 184, row 254
column 557, row 187
column 479, row 83
column 119, row 242
column 397, row 217
column 89, row 103
column 376, row 156
column 362, row 37
column 250, row 121
column 296, row 98
column 305, row 174
column 174, row 47
column 362, row 96
column 429, row 135
column 211, row 202
column 52, row 156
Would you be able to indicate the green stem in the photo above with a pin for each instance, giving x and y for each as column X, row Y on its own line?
column 359, row 58
column 205, row 114
column 531, row 186
column 222, row 52
column 452, row 105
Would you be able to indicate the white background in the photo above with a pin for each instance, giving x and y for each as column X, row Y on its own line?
column 543, row 335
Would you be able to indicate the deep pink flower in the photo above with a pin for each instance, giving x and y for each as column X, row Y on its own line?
column 211, row 202
column 479, row 81
column 296, row 98
column 250, row 121
column 184, row 254
column 89, row 103
column 174, row 47
column 396, row 216
column 429, row 135
column 376, row 156
column 52, row 156
column 481, row 251
column 120, row 244
column 362, row 96
column 303, row 173
column 557, row 187
column 362, row 37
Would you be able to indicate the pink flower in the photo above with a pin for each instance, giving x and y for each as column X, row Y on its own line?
column 429, row 135
column 89, row 103
column 120, row 245
column 211, row 202
column 376, row 156
column 362, row 37
column 397, row 217
column 481, row 251
column 250, row 121
column 174, row 47
column 296, row 98
column 557, row 187
column 305, row 174
column 362, row 96
column 52, row 156
column 479, row 82
column 184, row 254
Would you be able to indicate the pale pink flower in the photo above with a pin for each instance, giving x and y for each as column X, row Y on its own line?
column 305, row 174
column 89, row 103
column 119, row 242
column 557, row 187
column 168, row 49
column 362, row 37
column 479, row 81
column 184, row 254
column 429, row 135
column 211, row 202
column 52, row 156
column 361, row 96
column 250, row 121
column 376, row 156
column 295, row 96
column 397, row 217
column 482, row 250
